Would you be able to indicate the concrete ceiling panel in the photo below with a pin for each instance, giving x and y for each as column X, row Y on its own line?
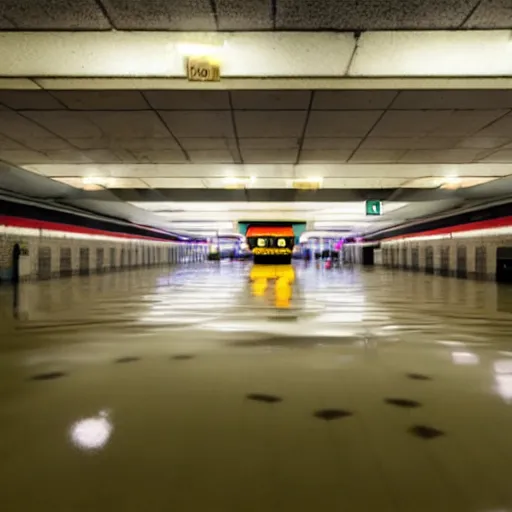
column 29, row 100
column 159, row 156
column 440, row 156
column 409, row 143
column 377, row 156
column 342, row 123
column 252, row 123
column 269, row 156
column 491, row 14
column 188, row 100
column 101, row 100
column 54, row 14
column 271, row 100
column 333, row 143
column 318, row 156
column 353, row 100
column 161, row 14
column 269, row 143
column 372, row 14
column 211, row 156
column 64, row 123
column 245, row 14
column 214, row 123
column 453, row 100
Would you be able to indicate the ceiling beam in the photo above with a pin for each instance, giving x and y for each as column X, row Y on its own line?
column 257, row 55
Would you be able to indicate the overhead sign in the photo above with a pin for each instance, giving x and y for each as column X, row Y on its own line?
column 203, row 69
column 373, row 207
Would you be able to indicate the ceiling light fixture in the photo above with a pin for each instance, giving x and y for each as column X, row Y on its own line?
column 91, row 180
column 234, row 182
column 454, row 183
column 311, row 183
column 451, row 183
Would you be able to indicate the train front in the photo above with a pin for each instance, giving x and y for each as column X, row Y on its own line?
column 271, row 244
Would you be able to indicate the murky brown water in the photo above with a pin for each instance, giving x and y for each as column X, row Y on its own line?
column 219, row 388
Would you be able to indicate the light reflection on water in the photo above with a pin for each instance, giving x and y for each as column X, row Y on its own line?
column 197, row 342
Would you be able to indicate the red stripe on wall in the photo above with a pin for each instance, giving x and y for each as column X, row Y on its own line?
column 20, row 222
column 472, row 226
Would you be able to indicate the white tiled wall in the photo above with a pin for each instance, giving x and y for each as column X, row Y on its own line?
column 491, row 243
column 33, row 240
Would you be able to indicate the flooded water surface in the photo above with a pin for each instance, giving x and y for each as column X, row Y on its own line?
column 227, row 387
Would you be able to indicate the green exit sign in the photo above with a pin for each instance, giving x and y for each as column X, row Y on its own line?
column 373, row 207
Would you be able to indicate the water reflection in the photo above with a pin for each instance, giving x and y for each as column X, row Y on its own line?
column 279, row 277
column 92, row 434
column 503, row 378
column 504, row 298
column 465, row 358
column 16, row 301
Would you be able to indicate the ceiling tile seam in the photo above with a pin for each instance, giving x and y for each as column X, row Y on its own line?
column 149, row 105
column 392, row 101
column 35, row 82
column 82, row 110
column 213, row 9
column 42, row 127
column 473, row 134
column 273, row 7
column 9, row 20
column 104, row 11
column 377, row 121
column 357, row 37
column 58, row 100
column 17, row 142
column 162, row 120
column 490, row 152
column 99, row 128
column 304, row 129
column 470, row 13
column 235, row 129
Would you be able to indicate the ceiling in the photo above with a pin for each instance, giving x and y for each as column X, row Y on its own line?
column 128, row 134
column 210, row 218
column 209, row 15
column 131, row 153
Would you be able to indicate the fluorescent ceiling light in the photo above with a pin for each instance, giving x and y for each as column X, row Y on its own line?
column 235, row 182
column 447, row 182
column 95, row 180
column 454, row 183
column 79, row 183
column 311, row 183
